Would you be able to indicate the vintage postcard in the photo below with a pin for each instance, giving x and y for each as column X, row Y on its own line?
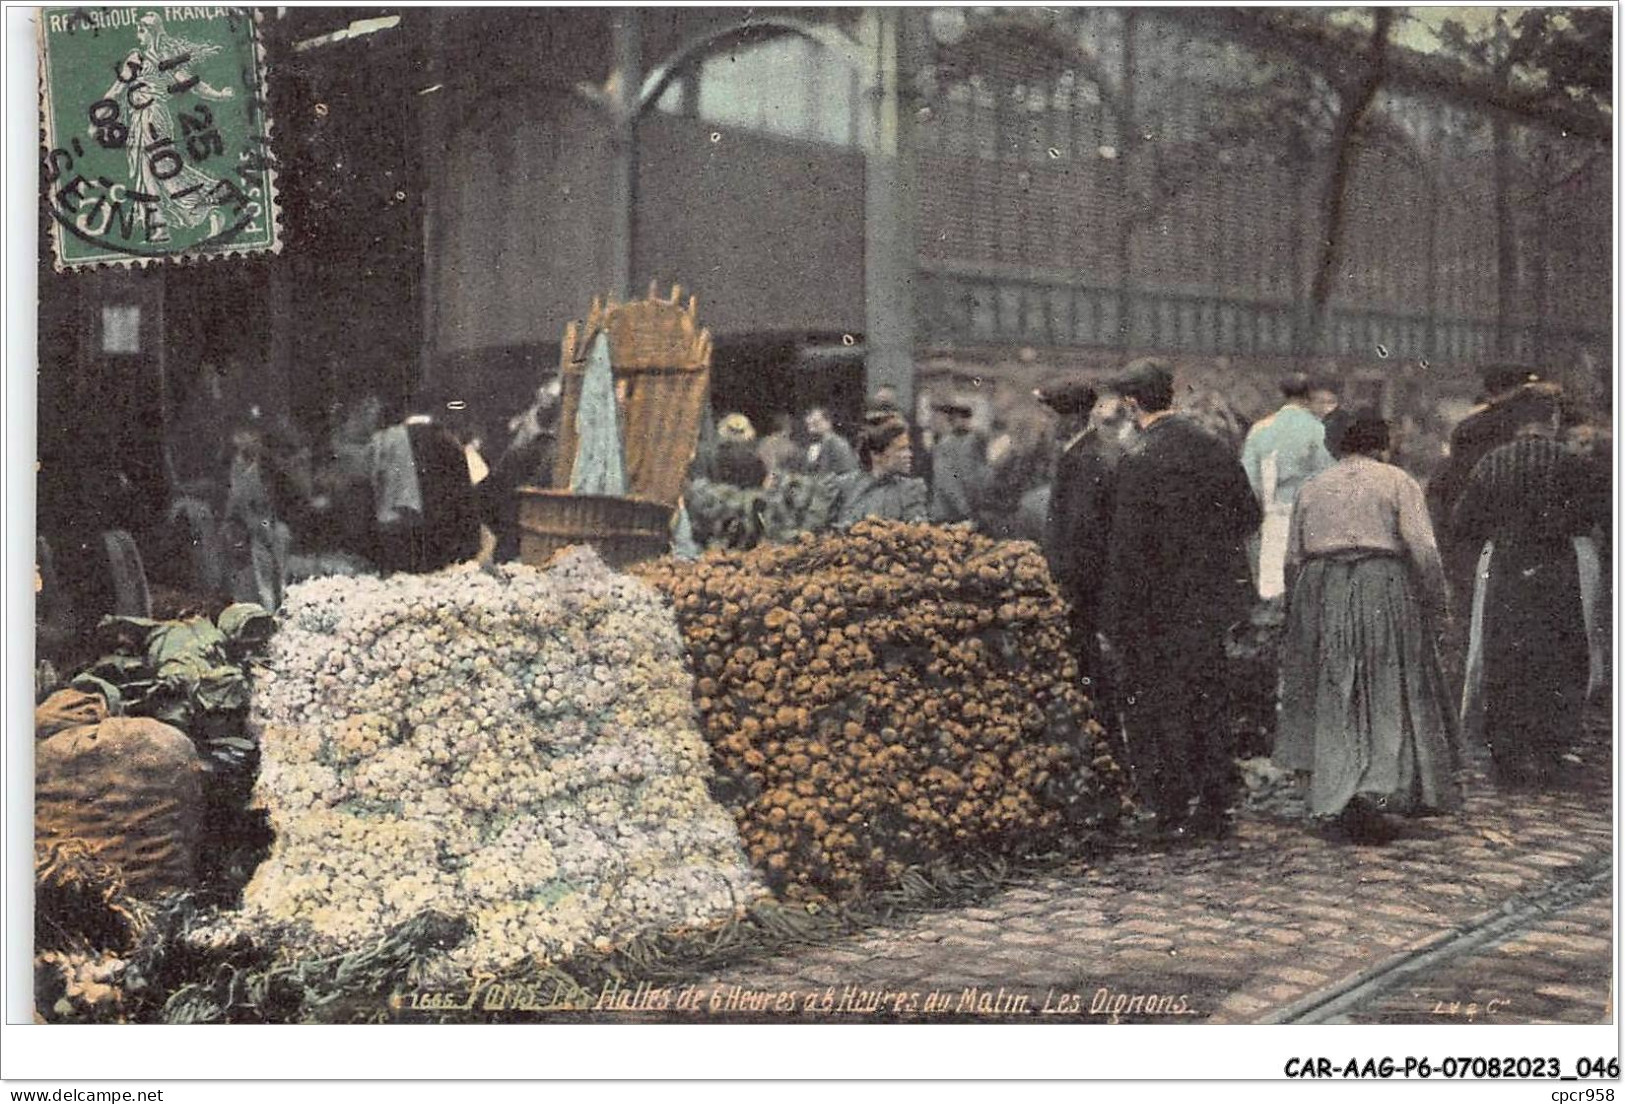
column 1088, row 516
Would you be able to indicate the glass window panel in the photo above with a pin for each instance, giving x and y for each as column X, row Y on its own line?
column 787, row 85
column 1167, row 328
column 1143, row 323
column 671, row 100
column 1108, row 322
column 1086, row 319
column 1037, row 313
column 984, row 320
column 1009, row 309
column 1060, row 305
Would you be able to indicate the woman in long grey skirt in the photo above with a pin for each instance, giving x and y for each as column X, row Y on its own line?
column 1363, row 705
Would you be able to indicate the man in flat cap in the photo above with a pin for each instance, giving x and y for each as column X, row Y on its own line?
column 1177, row 578
column 1080, row 513
column 958, row 467
column 1281, row 452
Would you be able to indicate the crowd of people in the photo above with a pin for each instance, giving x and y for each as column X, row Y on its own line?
column 1160, row 538
column 251, row 504
column 945, row 470
column 1418, row 626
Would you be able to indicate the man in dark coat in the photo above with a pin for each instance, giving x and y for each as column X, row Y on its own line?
column 427, row 515
column 958, row 468
column 1493, row 423
column 1177, row 578
column 526, row 461
column 1079, row 518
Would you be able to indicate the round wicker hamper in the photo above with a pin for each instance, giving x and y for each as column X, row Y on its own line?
column 625, row 531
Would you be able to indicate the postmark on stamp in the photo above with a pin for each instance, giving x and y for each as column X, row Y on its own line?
column 156, row 135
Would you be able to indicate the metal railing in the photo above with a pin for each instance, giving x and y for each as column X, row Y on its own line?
column 961, row 309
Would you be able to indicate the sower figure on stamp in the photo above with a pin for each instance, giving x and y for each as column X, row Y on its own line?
column 1177, row 578
column 160, row 65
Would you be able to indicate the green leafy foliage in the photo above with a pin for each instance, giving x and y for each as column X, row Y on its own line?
column 92, row 683
column 246, row 625
column 725, row 516
column 193, row 674
column 1562, row 55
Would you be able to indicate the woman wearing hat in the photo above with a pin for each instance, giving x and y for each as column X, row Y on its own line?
column 1363, row 704
column 883, row 488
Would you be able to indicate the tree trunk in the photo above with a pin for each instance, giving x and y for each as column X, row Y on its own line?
column 1543, row 268
column 1430, row 339
column 1356, row 101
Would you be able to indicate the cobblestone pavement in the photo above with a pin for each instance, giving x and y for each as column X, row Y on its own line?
column 1232, row 932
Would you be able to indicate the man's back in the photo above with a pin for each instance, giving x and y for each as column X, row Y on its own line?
column 1079, row 518
column 1183, row 506
column 1531, row 490
column 1297, row 440
column 1474, row 437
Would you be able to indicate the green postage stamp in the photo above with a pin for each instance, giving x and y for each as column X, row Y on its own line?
column 157, row 138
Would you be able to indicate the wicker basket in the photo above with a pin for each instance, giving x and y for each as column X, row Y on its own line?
column 625, row 531
column 662, row 365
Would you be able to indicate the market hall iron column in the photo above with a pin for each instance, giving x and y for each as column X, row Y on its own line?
column 433, row 134
column 624, row 85
column 890, row 200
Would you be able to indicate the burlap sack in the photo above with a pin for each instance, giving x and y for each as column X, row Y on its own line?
column 129, row 788
column 65, row 709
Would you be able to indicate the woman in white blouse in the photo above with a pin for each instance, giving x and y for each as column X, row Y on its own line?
column 1363, row 705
